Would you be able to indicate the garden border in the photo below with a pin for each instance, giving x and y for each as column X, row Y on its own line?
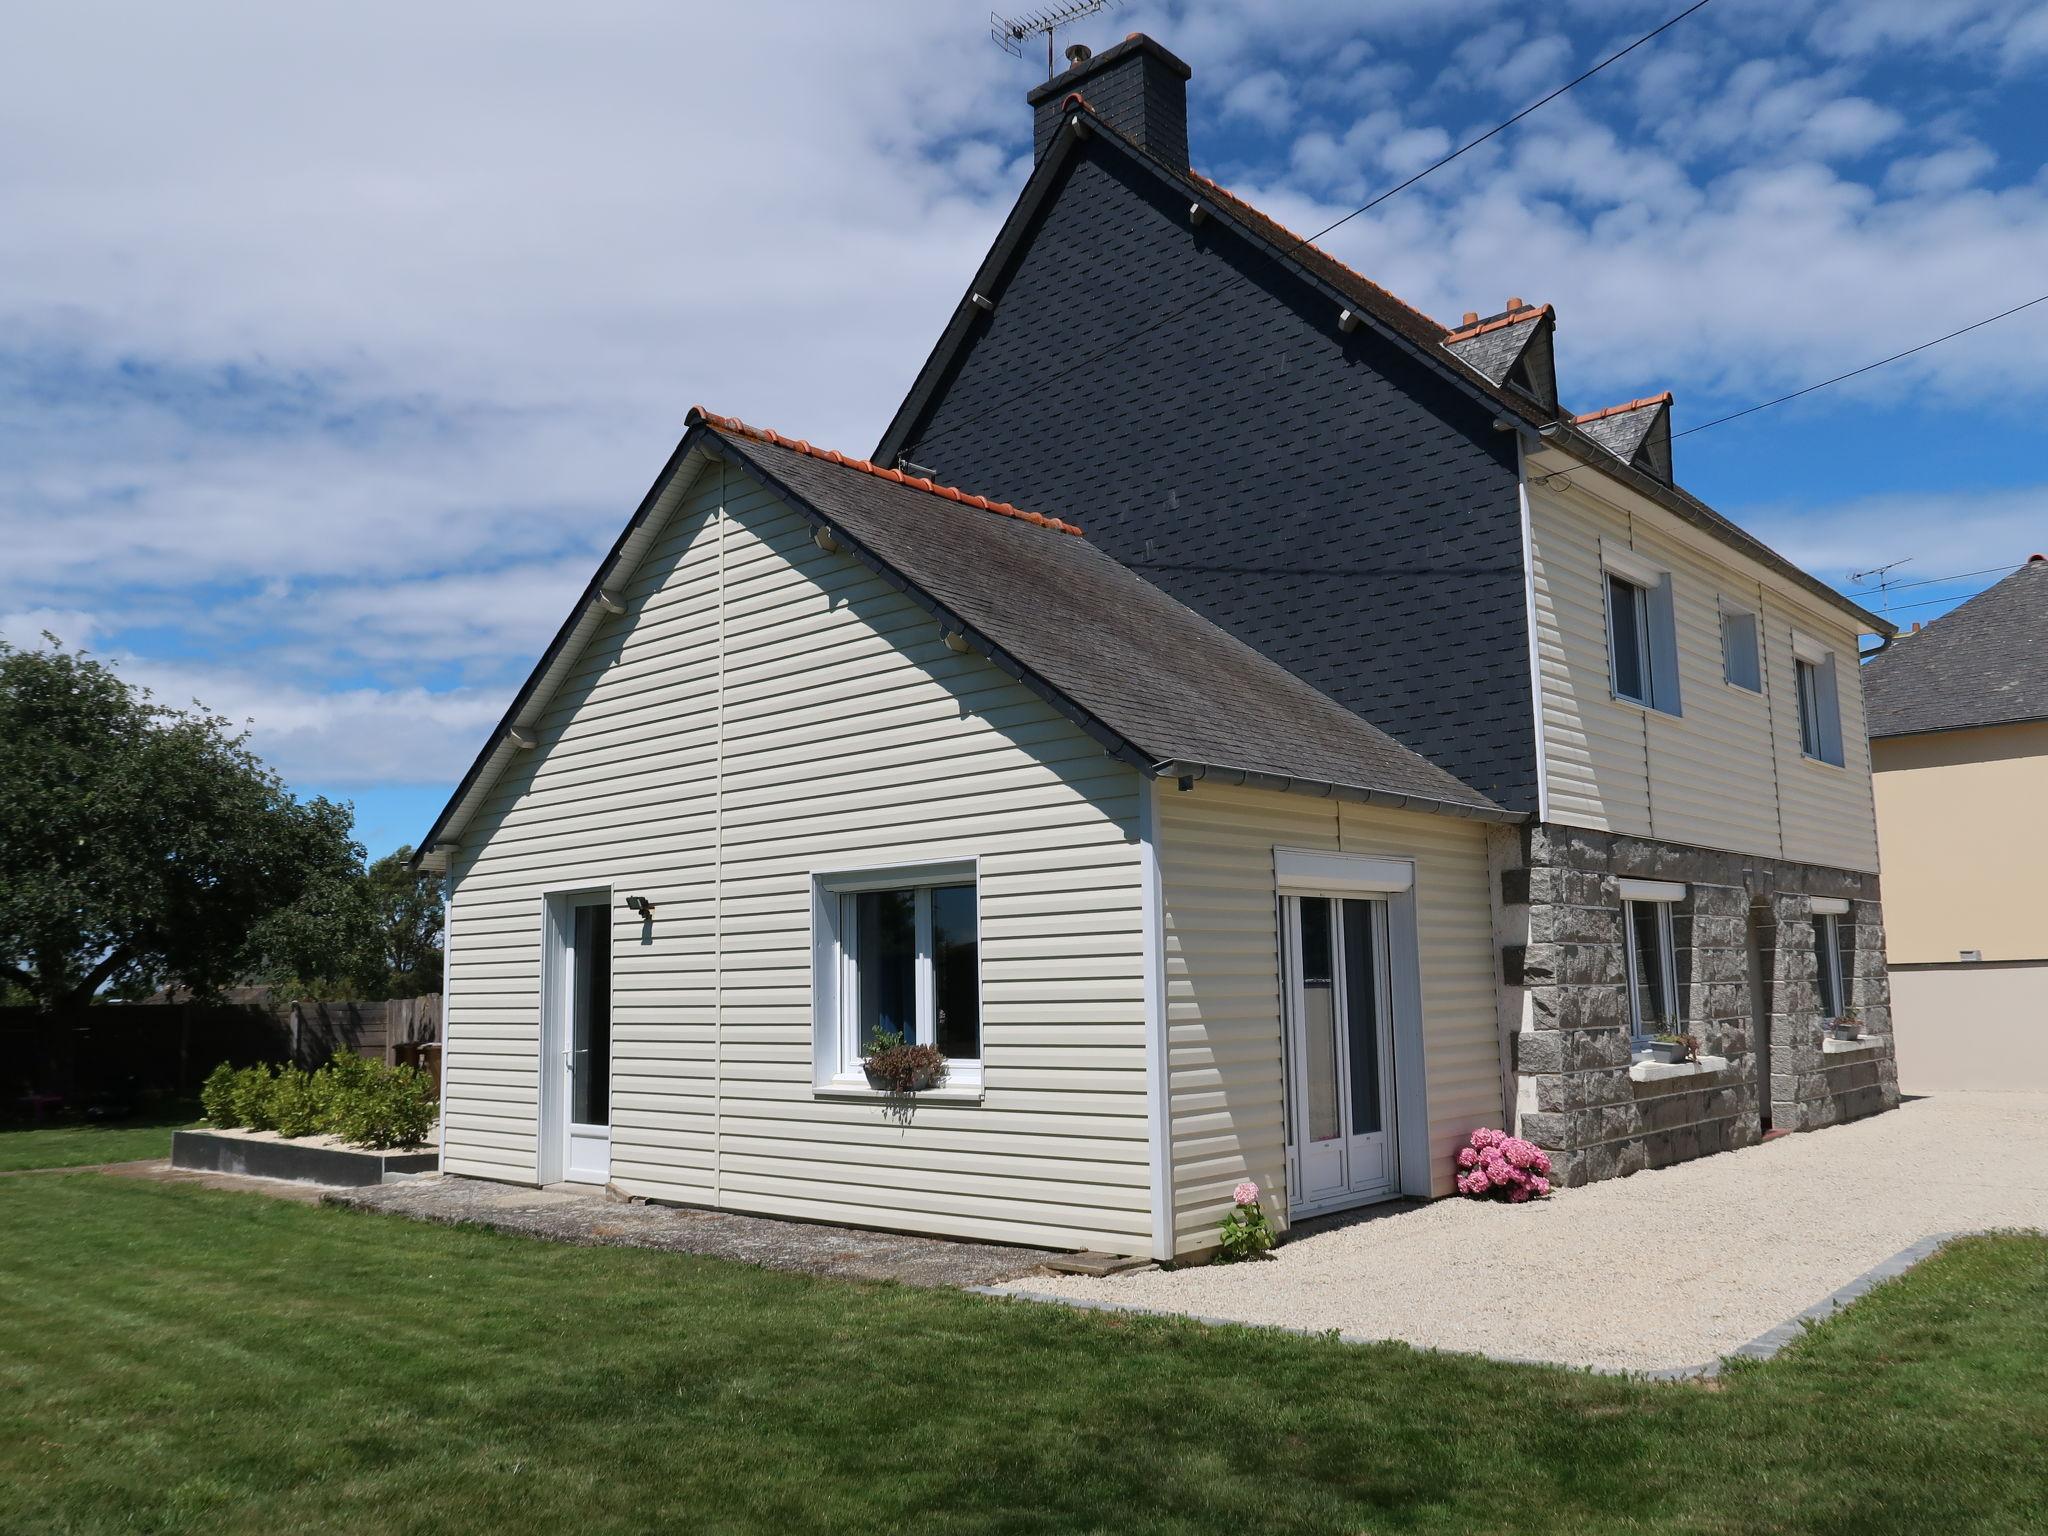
column 1762, row 1347
column 214, row 1151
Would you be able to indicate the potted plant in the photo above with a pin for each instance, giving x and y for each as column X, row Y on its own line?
column 1844, row 1027
column 1670, row 1049
column 894, row 1065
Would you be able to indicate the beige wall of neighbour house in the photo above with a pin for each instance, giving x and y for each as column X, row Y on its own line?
column 761, row 710
column 1222, row 978
column 1727, row 772
column 1962, row 819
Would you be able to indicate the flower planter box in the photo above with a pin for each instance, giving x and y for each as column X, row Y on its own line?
column 309, row 1160
column 1663, row 1052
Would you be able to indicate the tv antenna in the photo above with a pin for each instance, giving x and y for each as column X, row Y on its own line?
column 1010, row 31
column 1883, row 575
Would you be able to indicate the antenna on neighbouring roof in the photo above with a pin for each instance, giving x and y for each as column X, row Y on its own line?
column 1884, row 581
column 1010, row 31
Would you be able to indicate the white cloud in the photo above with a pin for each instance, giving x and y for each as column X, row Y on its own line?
column 1264, row 98
column 25, row 628
column 1946, row 170
column 1941, row 533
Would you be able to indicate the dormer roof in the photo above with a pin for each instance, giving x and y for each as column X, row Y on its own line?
column 1637, row 432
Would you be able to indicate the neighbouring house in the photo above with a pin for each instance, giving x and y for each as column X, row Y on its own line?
column 1275, row 746
column 1959, row 748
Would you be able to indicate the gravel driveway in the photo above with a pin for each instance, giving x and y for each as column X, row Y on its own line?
column 1669, row 1268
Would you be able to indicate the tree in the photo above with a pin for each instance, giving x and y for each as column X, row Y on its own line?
column 407, row 903
column 361, row 933
column 139, row 845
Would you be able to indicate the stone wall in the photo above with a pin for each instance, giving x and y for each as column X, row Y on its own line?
column 1581, row 1098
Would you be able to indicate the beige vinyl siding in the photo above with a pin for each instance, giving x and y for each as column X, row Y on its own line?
column 761, row 711
column 1725, row 773
column 1222, row 981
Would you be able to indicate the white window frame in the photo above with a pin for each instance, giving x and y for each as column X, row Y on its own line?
column 1662, row 895
column 1739, row 613
column 1827, row 960
column 1657, row 627
column 1820, row 715
column 835, row 990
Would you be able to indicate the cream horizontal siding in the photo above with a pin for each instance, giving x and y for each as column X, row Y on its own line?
column 1726, row 772
column 1222, row 981
column 764, row 710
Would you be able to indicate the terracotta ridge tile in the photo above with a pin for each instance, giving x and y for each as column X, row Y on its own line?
column 1632, row 405
column 1513, row 317
column 738, row 428
column 1309, row 245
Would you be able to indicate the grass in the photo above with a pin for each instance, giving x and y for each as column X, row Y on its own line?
column 74, row 1144
column 177, row 1359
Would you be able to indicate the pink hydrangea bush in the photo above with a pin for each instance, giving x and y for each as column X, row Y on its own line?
column 1497, row 1166
column 1246, row 1232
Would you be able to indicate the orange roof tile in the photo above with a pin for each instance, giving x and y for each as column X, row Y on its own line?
column 738, row 428
column 1632, row 405
column 1512, row 317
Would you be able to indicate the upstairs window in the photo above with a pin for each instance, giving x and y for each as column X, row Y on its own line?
column 1642, row 634
column 1741, row 656
column 1628, row 631
column 1820, row 709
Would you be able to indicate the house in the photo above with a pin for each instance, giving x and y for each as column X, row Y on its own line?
column 1275, row 746
column 1959, row 750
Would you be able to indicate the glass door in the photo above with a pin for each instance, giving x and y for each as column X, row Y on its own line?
column 588, row 1056
column 1340, row 1053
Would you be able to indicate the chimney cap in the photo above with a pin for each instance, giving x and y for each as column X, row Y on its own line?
column 1078, row 53
column 1514, row 304
column 1471, row 317
column 2037, row 559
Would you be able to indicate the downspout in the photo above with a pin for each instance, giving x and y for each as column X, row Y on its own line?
column 447, row 988
column 1158, row 1061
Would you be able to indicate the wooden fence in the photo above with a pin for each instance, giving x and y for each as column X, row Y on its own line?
column 126, row 1053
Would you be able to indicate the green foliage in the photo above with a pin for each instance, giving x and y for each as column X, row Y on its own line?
column 144, row 844
column 355, row 933
column 250, row 1098
column 901, row 1067
column 1246, row 1233
column 358, row 1100
column 217, row 1097
column 294, row 1103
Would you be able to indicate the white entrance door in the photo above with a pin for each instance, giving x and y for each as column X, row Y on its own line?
column 582, row 1038
column 1341, row 1143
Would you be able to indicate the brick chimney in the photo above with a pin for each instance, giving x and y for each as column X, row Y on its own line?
column 1137, row 87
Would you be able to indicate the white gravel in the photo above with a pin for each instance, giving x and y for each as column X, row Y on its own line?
column 1665, row 1269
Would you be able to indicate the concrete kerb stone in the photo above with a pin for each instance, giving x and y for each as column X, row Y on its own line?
column 1762, row 1347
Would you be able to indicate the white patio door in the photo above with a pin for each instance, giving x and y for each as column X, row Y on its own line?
column 1341, row 1141
column 577, row 1049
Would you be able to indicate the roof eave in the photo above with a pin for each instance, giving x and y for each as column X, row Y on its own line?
column 1322, row 789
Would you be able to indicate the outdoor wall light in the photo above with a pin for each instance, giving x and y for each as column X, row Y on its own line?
column 642, row 906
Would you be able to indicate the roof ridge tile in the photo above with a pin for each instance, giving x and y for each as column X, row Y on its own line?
column 738, row 428
column 1520, row 316
column 1624, row 408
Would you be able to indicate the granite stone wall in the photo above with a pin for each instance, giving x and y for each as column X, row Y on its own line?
column 1579, row 1095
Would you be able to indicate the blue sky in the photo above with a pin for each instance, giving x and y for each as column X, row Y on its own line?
column 335, row 344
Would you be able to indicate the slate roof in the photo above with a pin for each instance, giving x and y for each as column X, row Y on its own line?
column 1493, row 347
column 1620, row 429
column 1985, row 663
column 1143, row 672
column 1556, row 426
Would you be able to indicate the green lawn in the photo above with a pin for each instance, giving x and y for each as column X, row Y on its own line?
column 76, row 1143
column 176, row 1359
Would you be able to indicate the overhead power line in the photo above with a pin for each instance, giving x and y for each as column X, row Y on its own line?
column 1207, row 294
column 1751, row 410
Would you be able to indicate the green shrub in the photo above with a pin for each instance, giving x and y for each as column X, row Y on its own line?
column 217, row 1097
column 251, row 1097
column 295, row 1102
column 408, row 1109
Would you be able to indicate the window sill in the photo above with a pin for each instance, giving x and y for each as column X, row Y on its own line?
column 1860, row 1043
column 1658, row 1071
column 963, row 1091
column 1821, row 762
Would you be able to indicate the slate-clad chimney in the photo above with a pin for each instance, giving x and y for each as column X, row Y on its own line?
column 1137, row 87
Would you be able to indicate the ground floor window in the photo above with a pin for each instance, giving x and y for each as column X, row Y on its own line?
column 899, row 954
column 1827, row 959
column 1652, row 970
